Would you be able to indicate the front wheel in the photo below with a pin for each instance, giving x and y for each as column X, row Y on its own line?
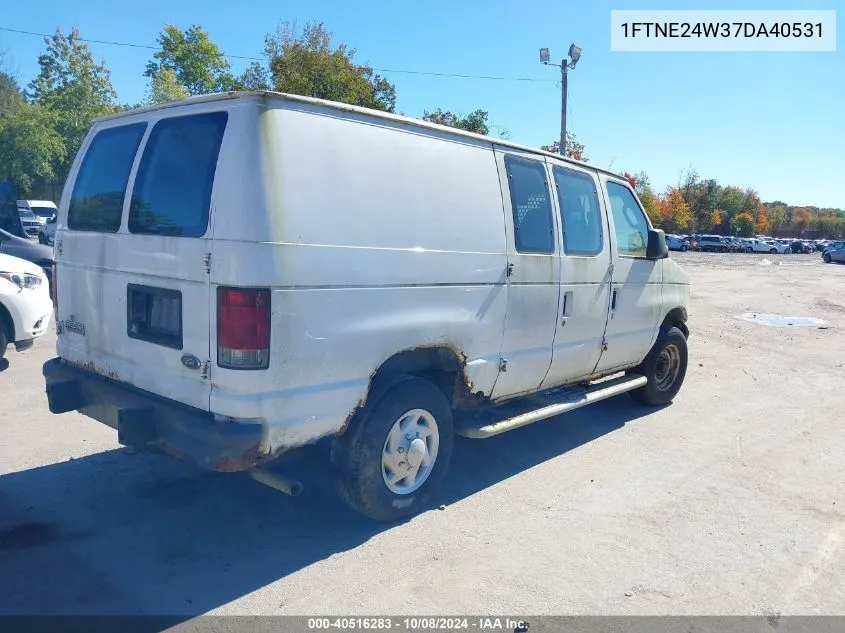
column 4, row 339
column 773, row 251
column 826, row 258
column 748, row 249
column 397, row 450
column 683, row 248
column 665, row 368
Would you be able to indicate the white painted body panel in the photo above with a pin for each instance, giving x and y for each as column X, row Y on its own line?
column 633, row 325
column 375, row 235
column 585, row 297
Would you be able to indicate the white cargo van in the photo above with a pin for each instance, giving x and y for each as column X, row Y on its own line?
column 242, row 274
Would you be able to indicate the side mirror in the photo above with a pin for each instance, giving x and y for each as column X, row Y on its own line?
column 656, row 247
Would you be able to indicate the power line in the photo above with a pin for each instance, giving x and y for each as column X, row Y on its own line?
column 259, row 59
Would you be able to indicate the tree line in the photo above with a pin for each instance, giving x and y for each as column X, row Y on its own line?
column 702, row 205
column 43, row 125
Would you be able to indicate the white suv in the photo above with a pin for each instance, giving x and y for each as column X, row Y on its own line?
column 25, row 304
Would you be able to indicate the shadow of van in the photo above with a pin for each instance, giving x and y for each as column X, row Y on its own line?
column 123, row 532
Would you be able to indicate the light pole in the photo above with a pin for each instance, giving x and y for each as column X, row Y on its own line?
column 574, row 56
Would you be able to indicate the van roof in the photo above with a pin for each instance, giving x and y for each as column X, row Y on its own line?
column 221, row 96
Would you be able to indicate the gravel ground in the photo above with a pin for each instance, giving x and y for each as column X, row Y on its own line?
column 729, row 501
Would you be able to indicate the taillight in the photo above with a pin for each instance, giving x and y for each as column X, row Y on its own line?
column 243, row 328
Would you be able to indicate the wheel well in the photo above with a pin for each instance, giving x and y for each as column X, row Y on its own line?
column 676, row 317
column 7, row 323
column 442, row 366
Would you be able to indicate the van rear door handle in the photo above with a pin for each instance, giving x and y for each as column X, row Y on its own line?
column 613, row 300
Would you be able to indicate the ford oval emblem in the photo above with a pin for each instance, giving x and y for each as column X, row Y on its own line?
column 190, row 361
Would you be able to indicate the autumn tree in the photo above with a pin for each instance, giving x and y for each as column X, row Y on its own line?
column 675, row 213
column 761, row 221
column 305, row 62
column 715, row 219
column 574, row 149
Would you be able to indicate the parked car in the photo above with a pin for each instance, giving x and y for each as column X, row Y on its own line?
column 759, row 246
column 779, row 246
column 734, row 245
column 45, row 209
column 835, row 253
column 48, row 232
column 410, row 328
column 25, row 305
column 677, row 243
column 712, row 243
column 32, row 224
column 798, row 247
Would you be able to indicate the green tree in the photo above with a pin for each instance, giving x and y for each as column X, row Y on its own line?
column 197, row 63
column 574, row 149
column 473, row 122
column 743, row 224
column 164, row 86
column 253, row 78
column 31, row 147
column 305, row 62
column 11, row 97
column 75, row 89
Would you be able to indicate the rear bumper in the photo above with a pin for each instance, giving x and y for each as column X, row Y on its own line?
column 144, row 419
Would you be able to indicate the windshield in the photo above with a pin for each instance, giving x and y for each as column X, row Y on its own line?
column 44, row 212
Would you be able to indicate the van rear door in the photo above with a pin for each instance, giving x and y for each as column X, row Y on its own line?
column 132, row 252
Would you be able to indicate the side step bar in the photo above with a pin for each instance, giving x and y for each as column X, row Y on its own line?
column 567, row 400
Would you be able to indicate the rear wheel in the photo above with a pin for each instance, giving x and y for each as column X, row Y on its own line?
column 665, row 367
column 826, row 258
column 397, row 450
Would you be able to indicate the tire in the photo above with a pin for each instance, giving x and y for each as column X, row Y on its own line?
column 683, row 249
column 773, row 251
column 748, row 249
column 360, row 454
column 657, row 391
column 4, row 337
column 826, row 258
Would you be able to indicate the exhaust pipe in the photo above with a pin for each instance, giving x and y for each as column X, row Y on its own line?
column 276, row 481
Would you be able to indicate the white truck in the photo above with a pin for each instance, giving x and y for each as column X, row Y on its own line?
column 242, row 274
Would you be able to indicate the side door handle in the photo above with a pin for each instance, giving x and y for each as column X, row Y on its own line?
column 613, row 300
column 565, row 312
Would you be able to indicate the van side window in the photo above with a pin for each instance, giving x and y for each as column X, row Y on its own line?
column 172, row 192
column 96, row 203
column 629, row 221
column 531, row 204
column 579, row 212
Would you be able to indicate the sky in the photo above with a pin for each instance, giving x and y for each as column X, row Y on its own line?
column 772, row 121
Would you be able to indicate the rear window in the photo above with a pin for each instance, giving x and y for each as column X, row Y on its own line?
column 97, row 200
column 172, row 192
